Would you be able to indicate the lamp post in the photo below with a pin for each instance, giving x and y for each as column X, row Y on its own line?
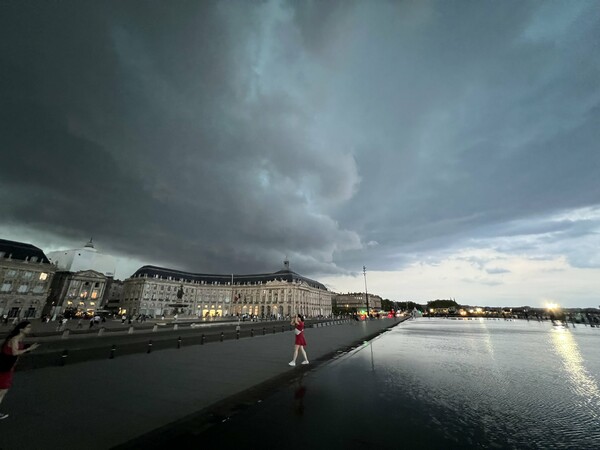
column 366, row 292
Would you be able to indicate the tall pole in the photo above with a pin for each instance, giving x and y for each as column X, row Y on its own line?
column 233, row 307
column 366, row 292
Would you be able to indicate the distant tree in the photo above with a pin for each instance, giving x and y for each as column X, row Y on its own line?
column 442, row 304
column 388, row 305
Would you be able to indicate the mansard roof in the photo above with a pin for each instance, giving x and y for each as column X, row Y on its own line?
column 177, row 275
column 22, row 251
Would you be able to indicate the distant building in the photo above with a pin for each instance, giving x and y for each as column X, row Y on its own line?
column 86, row 258
column 25, row 277
column 113, row 295
column 80, row 292
column 355, row 301
column 82, row 280
column 157, row 291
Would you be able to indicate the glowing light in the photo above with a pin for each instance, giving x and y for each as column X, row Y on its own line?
column 551, row 306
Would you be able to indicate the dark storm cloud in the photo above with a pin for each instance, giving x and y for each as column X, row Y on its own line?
column 223, row 136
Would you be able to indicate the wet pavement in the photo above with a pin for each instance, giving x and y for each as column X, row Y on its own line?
column 106, row 403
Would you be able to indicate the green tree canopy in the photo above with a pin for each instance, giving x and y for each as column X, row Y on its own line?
column 442, row 304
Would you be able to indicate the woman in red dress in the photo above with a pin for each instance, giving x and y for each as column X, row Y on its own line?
column 12, row 348
column 300, row 343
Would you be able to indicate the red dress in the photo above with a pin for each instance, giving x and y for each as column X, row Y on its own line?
column 300, row 337
column 6, row 377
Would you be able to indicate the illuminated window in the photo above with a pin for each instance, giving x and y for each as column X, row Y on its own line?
column 95, row 294
column 43, row 276
column 84, row 294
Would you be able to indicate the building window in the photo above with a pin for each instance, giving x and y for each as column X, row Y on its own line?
column 23, row 288
column 43, row 276
column 34, row 259
column 38, row 289
column 6, row 287
column 95, row 294
column 27, row 275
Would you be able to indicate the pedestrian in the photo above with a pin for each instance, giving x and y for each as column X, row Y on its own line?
column 12, row 348
column 123, row 318
column 299, row 344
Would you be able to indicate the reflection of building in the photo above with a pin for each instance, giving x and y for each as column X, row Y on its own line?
column 153, row 290
column 86, row 258
column 352, row 302
column 82, row 291
column 25, row 276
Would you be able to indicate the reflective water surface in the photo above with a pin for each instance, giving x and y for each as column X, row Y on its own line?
column 439, row 383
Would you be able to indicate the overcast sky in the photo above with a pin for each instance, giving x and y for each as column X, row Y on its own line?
column 451, row 147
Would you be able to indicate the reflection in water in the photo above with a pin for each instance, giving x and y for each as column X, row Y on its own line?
column 439, row 384
column 299, row 393
column 583, row 383
column 486, row 339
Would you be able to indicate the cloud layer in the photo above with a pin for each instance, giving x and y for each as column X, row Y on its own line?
column 224, row 136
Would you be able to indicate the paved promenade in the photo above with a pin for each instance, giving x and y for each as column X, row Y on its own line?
column 111, row 402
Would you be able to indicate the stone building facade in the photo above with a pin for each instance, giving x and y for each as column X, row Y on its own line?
column 81, row 292
column 25, row 277
column 355, row 301
column 158, row 291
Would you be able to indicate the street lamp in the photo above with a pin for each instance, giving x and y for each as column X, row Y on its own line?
column 366, row 292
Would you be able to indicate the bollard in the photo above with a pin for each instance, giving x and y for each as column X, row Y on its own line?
column 175, row 327
column 179, row 342
column 251, row 332
column 222, row 336
column 65, row 334
column 237, row 334
column 63, row 358
column 130, row 331
column 202, row 340
column 149, row 346
column 273, row 330
column 264, row 331
column 154, row 328
column 101, row 331
column 282, row 329
column 112, row 352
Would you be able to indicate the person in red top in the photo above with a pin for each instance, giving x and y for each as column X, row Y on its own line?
column 300, row 342
column 12, row 348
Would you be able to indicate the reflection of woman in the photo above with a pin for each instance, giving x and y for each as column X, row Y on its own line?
column 300, row 343
column 299, row 394
column 12, row 348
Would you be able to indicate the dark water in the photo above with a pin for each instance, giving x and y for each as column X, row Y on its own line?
column 435, row 384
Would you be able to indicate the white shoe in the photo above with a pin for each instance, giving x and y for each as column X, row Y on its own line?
column 3, row 416
column 305, row 362
column 292, row 363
